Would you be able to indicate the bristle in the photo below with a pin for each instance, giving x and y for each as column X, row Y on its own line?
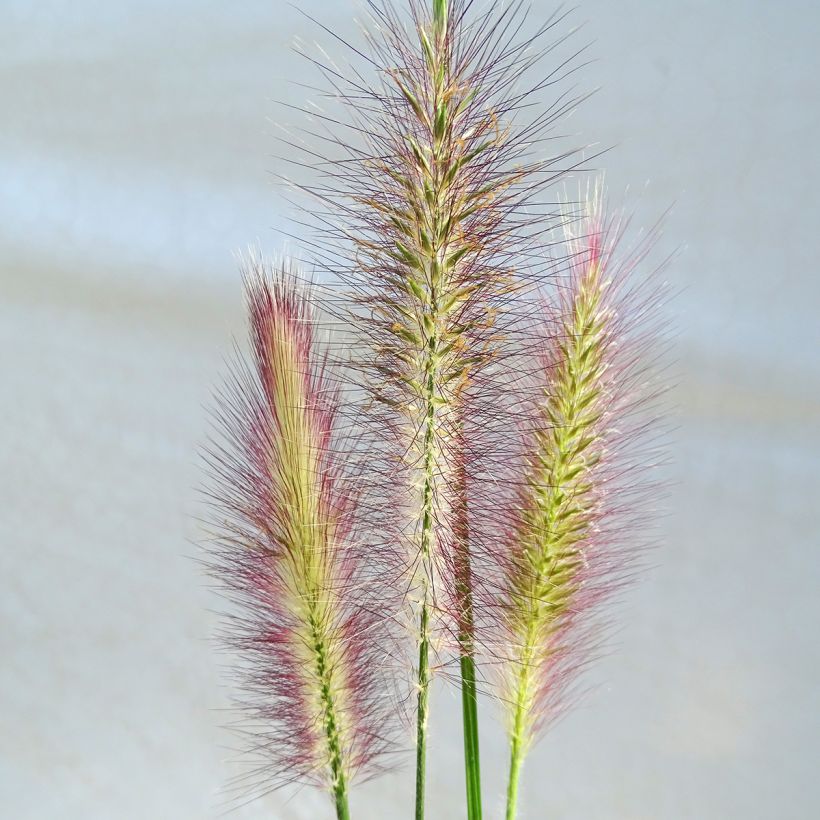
column 287, row 551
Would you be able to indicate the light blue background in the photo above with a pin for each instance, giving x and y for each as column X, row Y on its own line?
column 134, row 159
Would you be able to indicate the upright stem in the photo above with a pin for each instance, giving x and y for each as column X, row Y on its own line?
column 517, row 735
column 421, row 713
column 469, row 695
column 472, row 768
column 435, row 212
column 516, row 758
column 431, row 374
column 566, row 451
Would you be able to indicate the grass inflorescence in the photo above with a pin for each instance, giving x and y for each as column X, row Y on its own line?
column 572, row 525
column 286, row 549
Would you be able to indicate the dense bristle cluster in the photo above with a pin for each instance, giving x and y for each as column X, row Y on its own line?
column 288, row 552
column 434, row 206
column 568, row 525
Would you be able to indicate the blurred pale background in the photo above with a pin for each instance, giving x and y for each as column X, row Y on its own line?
column 134, row 159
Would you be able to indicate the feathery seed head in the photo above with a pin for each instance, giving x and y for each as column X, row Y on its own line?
column 431, row 204
column 287, row 549
column 573, row 525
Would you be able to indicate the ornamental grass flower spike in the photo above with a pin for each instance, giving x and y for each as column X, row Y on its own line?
column 575, row 522
column 287, row 552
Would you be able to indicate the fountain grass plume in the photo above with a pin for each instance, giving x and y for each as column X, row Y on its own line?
column 287, row 552
column 429, row 206
column 574, row 523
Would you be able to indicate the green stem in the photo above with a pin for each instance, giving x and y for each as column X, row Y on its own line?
column 520, row 716
column 340, row 796
column 472, row 768
column 431, row 358
column 516, row 758
column 421, row 713
column 469, row 695
column 567, row 453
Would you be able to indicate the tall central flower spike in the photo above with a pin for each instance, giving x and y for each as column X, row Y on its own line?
column 574, row 525
column 434, row 203
column 289, row 556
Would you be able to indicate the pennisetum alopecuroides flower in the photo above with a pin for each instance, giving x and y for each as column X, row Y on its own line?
column 286, row 550
column 573, row 524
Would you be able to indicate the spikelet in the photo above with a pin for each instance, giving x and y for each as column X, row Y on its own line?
column 574, row 522
column 287, row 552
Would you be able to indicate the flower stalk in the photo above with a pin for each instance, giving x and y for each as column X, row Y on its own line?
column 434, row 216
column 466, row 635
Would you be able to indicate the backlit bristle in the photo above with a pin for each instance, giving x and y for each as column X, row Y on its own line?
column 287, row 551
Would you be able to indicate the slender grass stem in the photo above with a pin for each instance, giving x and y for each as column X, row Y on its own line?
column 422, row 712
column 562, row 513
column 472, row 768
column 431, row 245
column 516, row 758
column 518, row 731
column 469, row 695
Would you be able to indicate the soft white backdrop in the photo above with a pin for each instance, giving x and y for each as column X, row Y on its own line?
column 134, row 159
